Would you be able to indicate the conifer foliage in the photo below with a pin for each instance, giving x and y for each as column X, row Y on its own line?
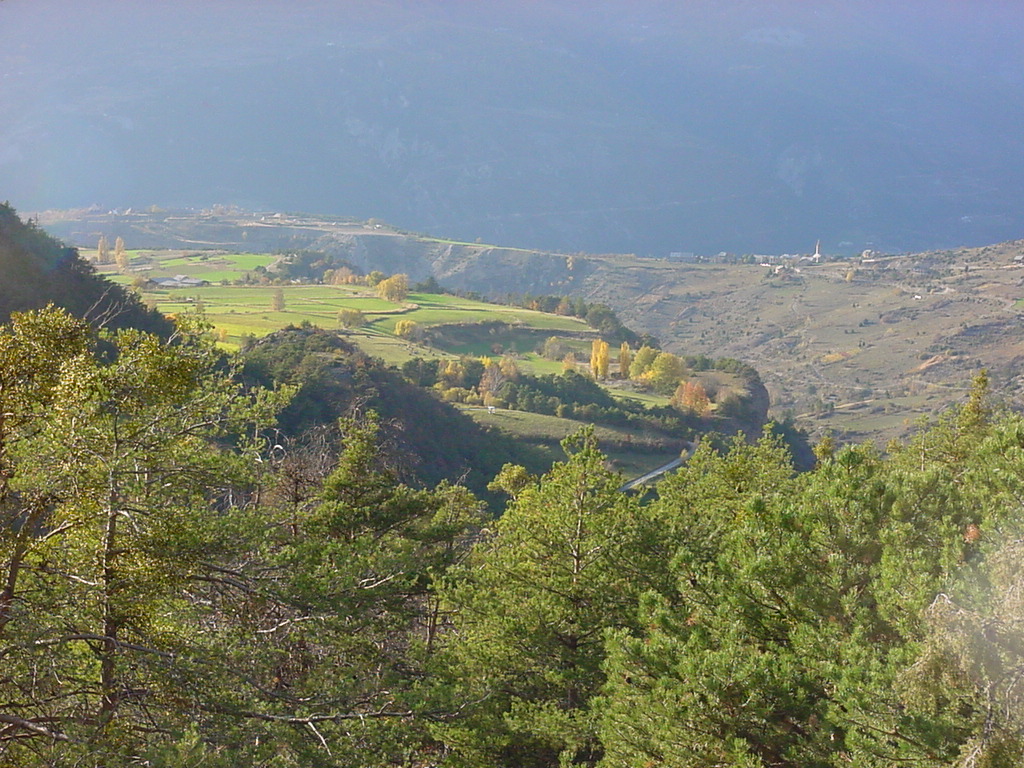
column 183, row 583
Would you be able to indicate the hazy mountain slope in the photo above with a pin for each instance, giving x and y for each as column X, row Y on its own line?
column 639, row 126
column 485, row 268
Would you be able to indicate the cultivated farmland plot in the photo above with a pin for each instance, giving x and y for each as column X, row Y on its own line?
column 260, row 306
column 241, row 299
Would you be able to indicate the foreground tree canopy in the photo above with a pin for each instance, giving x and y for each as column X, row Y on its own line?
column 178, row 589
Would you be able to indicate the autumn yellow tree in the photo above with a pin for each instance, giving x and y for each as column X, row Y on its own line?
column 407, row 329
column 642, row 361
column 277, row 301
column 451, row 374
column 120, row 256
column 666, row 371
column 625, row 358
column 344, row 276
column 394, row 288
column 103, row 251
column 491, row 382
column 599, row 359
column 554, row 349
column 691, row 396
column 351, row 318
column 509, row 367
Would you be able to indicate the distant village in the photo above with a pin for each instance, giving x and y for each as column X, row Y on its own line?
column 772, row 260
column 788, row 265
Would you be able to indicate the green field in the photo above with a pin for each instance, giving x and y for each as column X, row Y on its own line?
column 214, row 266
column 466, row 327
column 238, row 311
column 646, row 398
column 241, row 310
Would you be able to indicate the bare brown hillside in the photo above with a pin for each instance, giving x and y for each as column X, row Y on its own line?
column 863, row 346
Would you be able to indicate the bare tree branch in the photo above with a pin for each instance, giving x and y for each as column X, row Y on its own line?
column 35, row 727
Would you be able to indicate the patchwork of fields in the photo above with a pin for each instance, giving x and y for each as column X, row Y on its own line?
column 260, row 307
column 240, row 299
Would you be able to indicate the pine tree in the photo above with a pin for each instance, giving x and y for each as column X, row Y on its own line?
column 123, row 458
column 566, row 562
column 355, row 618
column 716, row 671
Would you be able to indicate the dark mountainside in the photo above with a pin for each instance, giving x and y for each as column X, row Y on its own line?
column 38, row 270
column 639, row 127
column 427, row 441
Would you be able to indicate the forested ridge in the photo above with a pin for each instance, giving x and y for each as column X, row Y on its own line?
column 178, row 592
column 185, row 582
column 36, row 270
column 423, row 439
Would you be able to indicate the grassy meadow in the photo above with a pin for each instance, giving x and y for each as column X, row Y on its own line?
column 239, row 311
column 628, row 452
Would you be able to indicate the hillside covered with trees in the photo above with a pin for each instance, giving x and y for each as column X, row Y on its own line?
column 425, row 439
column 215, row 561
column 176, row 593
column 36, row 270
